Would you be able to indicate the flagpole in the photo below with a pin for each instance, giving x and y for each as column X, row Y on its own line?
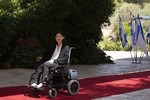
column 136, row 60
column 131, row 56
column 136, row 48
column 141, row 57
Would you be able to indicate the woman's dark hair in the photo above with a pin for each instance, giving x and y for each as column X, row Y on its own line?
column 60, row 32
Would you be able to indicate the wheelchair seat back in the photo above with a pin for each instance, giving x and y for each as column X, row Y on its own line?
column 65, row 65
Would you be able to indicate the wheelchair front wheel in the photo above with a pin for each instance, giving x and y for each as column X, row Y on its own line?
column 32, row 79
column 73, row 87
column 52, row 93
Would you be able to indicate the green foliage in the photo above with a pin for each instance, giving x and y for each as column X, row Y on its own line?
column 8, row 24
column 115, row 45
column 26, row 52
column 124, row 10
column 133, row 1
column 140, row 2
column 7, row 36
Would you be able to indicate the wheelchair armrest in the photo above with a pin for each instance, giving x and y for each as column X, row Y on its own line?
column 63, row 63
column 60, row 62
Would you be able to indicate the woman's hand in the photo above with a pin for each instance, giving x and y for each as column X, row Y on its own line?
column 38, row 58
column 50, row 61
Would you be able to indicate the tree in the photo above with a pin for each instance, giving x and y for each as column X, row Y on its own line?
column 7, row 28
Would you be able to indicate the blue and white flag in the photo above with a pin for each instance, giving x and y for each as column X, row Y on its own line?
column 139, row 36
column 122, row 34
column 132, row 31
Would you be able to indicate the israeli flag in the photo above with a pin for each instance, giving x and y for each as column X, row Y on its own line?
column 122, row 34
column 132, row 31
column 139, row 36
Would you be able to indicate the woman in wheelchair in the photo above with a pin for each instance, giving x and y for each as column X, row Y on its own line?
column 58, row 53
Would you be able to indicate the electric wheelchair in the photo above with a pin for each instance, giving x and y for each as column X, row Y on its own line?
column 59, row 78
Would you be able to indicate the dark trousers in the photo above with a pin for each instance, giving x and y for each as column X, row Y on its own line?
column 43, row 69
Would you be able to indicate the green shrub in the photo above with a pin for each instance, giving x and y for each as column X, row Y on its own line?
column 115, row 45
column 90, row 54
column 26, row 52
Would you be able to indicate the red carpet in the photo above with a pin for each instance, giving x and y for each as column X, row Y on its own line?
column 90, row 88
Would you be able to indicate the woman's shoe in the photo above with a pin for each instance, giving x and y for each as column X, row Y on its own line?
column 33, row 85
column 39, row 85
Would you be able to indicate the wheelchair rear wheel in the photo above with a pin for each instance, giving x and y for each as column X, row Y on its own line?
column 73, row 87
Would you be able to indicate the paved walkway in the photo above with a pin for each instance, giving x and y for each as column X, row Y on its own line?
column 119, row 58
column 123, row 64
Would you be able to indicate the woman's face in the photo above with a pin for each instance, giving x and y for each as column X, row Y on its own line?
column 59, row 38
